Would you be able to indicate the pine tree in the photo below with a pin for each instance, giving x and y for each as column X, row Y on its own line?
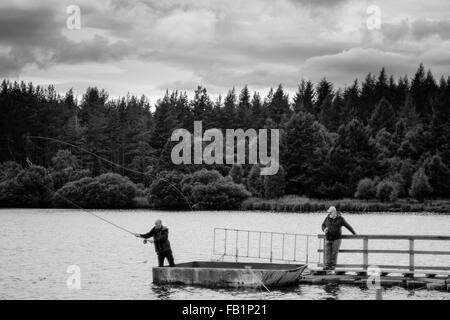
column 331, row 112
column 257, row 114
column 383, row 117
column 202, row 107
column 305, row 144
column 324, row 90
column 244, row 109
column 304, row 98
column 279, row 105
column 367, row 99
column 228, row 117
column 164, row 123
column 408, row 112
column 353, row 157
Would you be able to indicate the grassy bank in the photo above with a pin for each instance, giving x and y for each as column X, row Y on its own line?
column 302, row 204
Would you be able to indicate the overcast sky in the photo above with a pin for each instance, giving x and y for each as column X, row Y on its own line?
column 147, row 46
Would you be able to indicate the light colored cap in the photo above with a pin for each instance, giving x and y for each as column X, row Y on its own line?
column 331, row 210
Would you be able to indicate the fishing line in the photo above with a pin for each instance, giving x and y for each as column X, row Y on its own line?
column 80, row 207
column 113, row 163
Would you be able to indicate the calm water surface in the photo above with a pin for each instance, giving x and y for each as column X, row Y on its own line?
column 37, row 246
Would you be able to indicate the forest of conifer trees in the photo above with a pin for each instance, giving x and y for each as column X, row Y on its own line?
column 381, row 137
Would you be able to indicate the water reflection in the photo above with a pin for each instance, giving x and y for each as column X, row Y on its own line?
column 332, row 291
column 161, row 292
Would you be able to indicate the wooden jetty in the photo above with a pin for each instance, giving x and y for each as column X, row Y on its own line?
column 411, row 275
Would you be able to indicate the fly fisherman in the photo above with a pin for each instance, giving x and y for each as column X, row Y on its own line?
column 160, row 235
column 331, row 226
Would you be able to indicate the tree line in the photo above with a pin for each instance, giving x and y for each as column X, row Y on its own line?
column 379, row 138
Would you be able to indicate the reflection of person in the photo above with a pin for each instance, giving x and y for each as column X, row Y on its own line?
column 332, row 227
column 160, row 235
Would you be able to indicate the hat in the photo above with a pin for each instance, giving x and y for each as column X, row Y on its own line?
column 331, row 210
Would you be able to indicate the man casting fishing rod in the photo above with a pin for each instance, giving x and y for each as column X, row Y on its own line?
column 160, row 235
column 331, row 226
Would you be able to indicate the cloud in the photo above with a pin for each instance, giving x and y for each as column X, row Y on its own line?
column 33, row 36
column 185, row 28
column 98, row 49
column 416, row 30
column 27, row 27
column 178, row 44
column 358, row 62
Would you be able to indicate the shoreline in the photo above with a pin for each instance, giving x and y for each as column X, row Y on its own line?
column 302, row 204
column 294, row 204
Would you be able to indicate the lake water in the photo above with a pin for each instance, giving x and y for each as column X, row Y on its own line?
column 37, row 247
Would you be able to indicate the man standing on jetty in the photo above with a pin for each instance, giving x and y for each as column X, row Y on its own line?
column 160, row 235
column 332, row 227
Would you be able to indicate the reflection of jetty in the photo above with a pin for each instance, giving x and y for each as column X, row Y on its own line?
column 295, row 252
column 388, row 278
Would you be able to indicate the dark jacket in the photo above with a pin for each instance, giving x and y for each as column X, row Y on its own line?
column 160, row 237
column 334, row 227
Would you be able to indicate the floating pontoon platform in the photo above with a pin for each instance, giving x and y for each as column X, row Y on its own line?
column 229, row 274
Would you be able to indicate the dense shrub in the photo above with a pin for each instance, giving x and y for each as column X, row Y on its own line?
column 32, row 187
column 166, row 191
column 237, row 173
column 74, row 191
column 11, row 194
column 109, row 190
column 439, row 176
column 9, row 170
column 387, row 191
column 398, row 179
column 64, row 159
column 66, row 175
column 420, row 186
column 149, row 176
column 366, row 189
column 255, row 181
column 208, row 189
column 218, row 195
column 275, row 185
column 202, row 176
column 331, row 190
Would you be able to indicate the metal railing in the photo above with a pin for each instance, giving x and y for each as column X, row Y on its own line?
column 411, row 252
column 239, row 243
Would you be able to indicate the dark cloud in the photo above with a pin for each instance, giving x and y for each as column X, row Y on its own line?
column 105, row 19
column 423, row 28
column 28, row 27
column 98, row 49
column 9, row 64
column 33, row 36
column 416, row 30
